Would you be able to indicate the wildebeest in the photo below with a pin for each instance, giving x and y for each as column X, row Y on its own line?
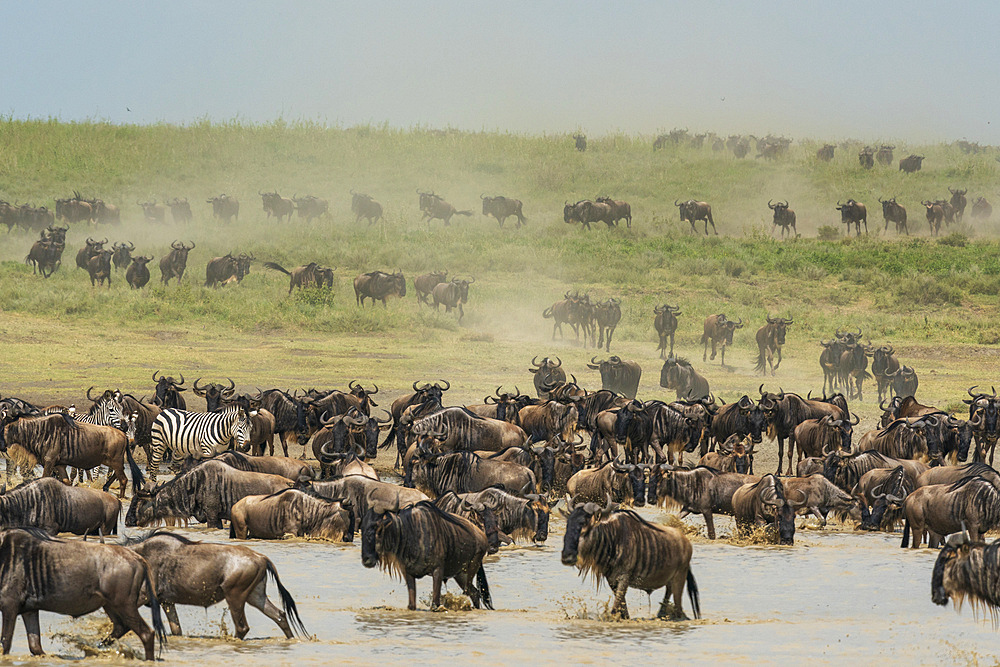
column 168, row 391
column 817, row 437
column 363, row 493
column 517, row 518
column 629, row 552
column 225, row 208
column 452, row 294
column 866, row 158
column 310, row 275
column 364, row 206
column 466, row 472
column 911, row 164
column 545, row 373
column 845, row 470
column 89, row 250
column 618, row 375
column 743, row 418
column 227, row 269
column 99, row 268
column 883, row 490
column 581, row 142
column 207, row 492
column 620, row 210
column 421, row 540
column 607, row 315
column 894, row 212
column 45, row 257
column 701, row 491
column 766, row 503
column 74, row 209
column 195, row 573
column 884, row 154
column 42, row 573
column 310, row 207
column 884, row 362
column 737, row 459
column 298, row 512
column 678, row 374
column 293, row 469
column 214, row 393
column 503, row 406
column 784, row 217
column 502, row 208
column 173, row 264
column 972, row 503
column 379, row 286
column 573, row 310
column 692, row 211
column 903, row 381
column 820, row 495
column 935, row 214
column 468, row 431
column 966, row 570
column 852, row 212
column 719, row 330
column 54, row 507
column 825, row 154
column 958, row 201
column 981, row 209
column 276, row 205
column 122, row 256
column 548, row 419
column 424, row 284
column 625, row 483
column 180, row 210
column 137, row 275
column 153, row 212
column 435, row 207
column 59, row 440
column 427, row 396
column 984, row 415
column 770, row 338
column 665, row 323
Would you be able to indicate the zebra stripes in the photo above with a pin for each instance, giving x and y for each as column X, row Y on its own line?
column 197, row 434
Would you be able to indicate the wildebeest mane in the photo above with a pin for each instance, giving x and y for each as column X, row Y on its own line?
column 156, row 532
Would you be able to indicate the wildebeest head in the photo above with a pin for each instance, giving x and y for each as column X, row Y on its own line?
column 626, row 415
column 773, row 496
column 888, row 495
column 580, row 519
column 507, row 403
column 636, row 480
column 363, row 394
column 545, row 456
column 371, row 426
column 167, row 390
column 373, row 525
column 984, row 410
column 844, row 429
column 214, row 393
column 780, row 325
column 755, row 416
column 957, row 546
column 541, row 506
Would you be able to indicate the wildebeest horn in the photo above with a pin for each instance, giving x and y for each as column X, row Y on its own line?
column 534, row 361
column 182, row 380
column 198, row 390
column 969, row 390
column 445, row 388
column 154, row 375
column 92, row 400
column 560, row 364
column 232, row 387
column 857, row 420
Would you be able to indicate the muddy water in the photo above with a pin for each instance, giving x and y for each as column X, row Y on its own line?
column 835, row 596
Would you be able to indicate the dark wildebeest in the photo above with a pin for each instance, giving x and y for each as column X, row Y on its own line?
column 427, row 397
column 620, row 210
column 607, row 314
column 719, row 330
column 937, row 510
column 44, row 257
column 379, row 286
column 692, row 211
column 618, row 375
column 99, row 268
column 845, row 470
column 763, row 503
column 596, row 211
column 502, row 406
column 137, row 275
column 984, row 414
column 168, row 392
column 276, row 205
column 293, row 469
column 884, row 363
column 225, row 208
column 820, row 496
column 180, row 210
column 732, row 456
column 701, row 491
column 424, row 284
column 935, row 215
column 981, row 209
column 91, row 249
column 311, row 207
column 502, row 208
column 911, row 164
column 770, row 338
column 195, row 573
column 173, row 264
column 364, row 206
column 895, row 213
column 517, row 518
column 466, row 430
column 629, row 552
column 75, row 209
column 958, row 202
column 665, row 323
column 549, row 419
column 207, row 492
column 581, row 142
column 574, row 213
column 884, row 154
column 625, row 483
column 742, row 418
column 565, row 310
column 424, row 540
column 214, row 394
column 298, row 512
column 866, row 158
column 825, row 154
column 435, row 207
column 903, row 381
column 965, row 570
column 880, row 494
column 54, row 507
column 153, row 212
column 852, row 212
column 227, row 269
column 546, row 373
column 479, row 514
column 122, row 256
column 310, row 275
column 42, row 573
column 452, row 294
column 678, row 374
column 784, row 217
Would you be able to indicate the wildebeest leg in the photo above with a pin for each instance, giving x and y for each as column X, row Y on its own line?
column 710, row 524
column 258, row 600
column 620, row 607
column 411, row 589
column 175, row 623
column 30, row 619
column 9, row 620
column 238, row 611
column 130, row 618
column 775, row 366
column 723, row 353
column 993, row 446
column 438, row 579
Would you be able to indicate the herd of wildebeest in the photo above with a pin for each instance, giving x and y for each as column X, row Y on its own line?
column 472, row 478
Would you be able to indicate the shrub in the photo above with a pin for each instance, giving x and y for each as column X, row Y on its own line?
column 828, row 233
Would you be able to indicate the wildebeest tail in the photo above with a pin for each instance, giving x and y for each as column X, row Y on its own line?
column 232, row 529
column 137, row 479
column 906, row 534
column 484, row 588
column 154, row 606
column 760, row 362
column 287, row 603
column 693, row 594
column 547, row 312
column 465, row 213
column 276, row 267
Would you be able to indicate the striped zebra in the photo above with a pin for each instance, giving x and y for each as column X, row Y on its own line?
column 197, row 434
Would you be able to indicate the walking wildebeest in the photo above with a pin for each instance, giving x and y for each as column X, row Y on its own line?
column 424, row 284
column 435, row 207
column 629, row 552
column 765, row 503
column 581, row 142
column 225, row 208
column 607, row 315
column 364, row 206
column 452, row 294
column 692, row 211
column 545, row 373
column 618, row 375
column 825, row 154
column 884, row 154
column 967, row 570
column 54, row 507
column 852, row 212
column 784, row 217
column 935, row 214
column 502, row 208
column 770, row 338
column 137, row 275
column 894, row 212
column 701, row 491
column 719, row 330
column 122, row 256
column 620, row 210
column 911, row 163
column 665, row 323
column 972, row 503
column 180, row 210
column 678, row 374
column 173, row 264
column 310, row 275
column 981, row 209
column 379, row 286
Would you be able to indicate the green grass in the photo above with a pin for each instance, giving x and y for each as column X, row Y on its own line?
column 935, row 299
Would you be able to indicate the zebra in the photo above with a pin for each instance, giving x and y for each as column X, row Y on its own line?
column 197, row 434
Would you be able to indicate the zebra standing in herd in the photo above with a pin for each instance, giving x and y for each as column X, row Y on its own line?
column 197, row 434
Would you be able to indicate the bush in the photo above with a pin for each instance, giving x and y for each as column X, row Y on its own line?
column 828, row 233
column 955, row 240
column 927, row 290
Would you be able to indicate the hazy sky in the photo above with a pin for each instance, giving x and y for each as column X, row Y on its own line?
column 899, row 70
